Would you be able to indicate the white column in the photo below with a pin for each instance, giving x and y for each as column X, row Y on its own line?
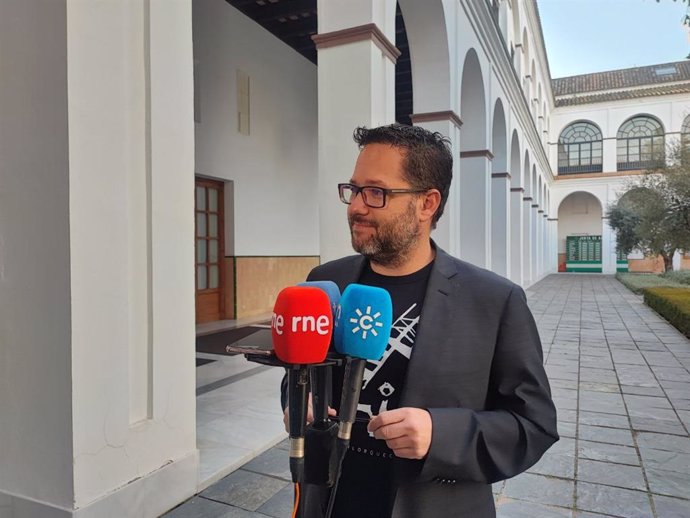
column 475, row 205
column 540, row 243
column 356, row 84
column 544, row 244
column 35, row 320
column 104, row 319
column 534, row 270
column 552, row 225
column 608, row 248
column 609, row 159
column 500, row 224
column 132, row 253
column 527, row 238
column 517, row 229
column 447, row 232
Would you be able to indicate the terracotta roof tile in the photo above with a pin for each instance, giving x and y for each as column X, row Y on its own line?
column 620, row 79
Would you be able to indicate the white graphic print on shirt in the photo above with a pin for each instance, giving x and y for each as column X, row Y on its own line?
column 384, row 374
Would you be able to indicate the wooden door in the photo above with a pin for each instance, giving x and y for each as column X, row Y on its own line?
column 208, row 209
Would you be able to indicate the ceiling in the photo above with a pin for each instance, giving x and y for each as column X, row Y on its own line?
column 294, row 22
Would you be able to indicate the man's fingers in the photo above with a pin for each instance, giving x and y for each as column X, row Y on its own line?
column 385, row 418
column 390, row 431
column 332, row 412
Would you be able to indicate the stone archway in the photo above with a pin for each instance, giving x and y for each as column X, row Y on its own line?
column 474, row 167
column 580, row 232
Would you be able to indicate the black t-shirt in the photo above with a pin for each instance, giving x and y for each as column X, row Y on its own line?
column 366, row 488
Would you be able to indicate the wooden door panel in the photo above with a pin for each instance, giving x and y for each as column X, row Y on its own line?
column 209, row 248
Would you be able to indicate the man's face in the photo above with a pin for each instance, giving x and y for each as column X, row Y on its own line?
column 387, row 235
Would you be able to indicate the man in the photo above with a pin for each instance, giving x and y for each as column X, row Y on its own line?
column 460, row 399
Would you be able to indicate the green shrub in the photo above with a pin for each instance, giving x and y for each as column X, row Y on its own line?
column 637, row 282
column 671, row 303
column 682, row 276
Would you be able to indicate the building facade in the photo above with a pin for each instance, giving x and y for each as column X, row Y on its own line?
column 164, row 155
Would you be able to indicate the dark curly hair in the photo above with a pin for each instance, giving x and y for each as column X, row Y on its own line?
column 428, row 162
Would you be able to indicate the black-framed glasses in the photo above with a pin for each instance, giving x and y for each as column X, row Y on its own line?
column 374, row 197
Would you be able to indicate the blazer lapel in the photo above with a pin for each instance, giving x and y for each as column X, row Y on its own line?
column 431, row 329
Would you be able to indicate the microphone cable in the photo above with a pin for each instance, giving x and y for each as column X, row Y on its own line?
column 297, row 497
column 331, row 498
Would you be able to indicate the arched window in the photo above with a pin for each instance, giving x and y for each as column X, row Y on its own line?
column 640, row 143
column 580, row 148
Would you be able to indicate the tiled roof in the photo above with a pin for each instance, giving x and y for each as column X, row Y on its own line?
column 601, row 97
column 621, row 79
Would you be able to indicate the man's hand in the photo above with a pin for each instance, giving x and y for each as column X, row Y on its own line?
column 407, row 431
column 310, row 415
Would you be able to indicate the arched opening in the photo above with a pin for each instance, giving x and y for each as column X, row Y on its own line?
column 532, row 98
column 525, row 64
column 403, row 72
column 580, row 231
column 474, row 168
column 540, row 114
column 434, row 94
column 515, row 12
column 500, row 192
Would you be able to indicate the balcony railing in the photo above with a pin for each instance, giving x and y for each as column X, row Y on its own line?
column 580, row 169
column 641, row 165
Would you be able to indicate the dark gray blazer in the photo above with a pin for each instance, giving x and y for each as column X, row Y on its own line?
column 477, row 367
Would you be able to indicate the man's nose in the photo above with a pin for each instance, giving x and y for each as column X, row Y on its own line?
column 357, row 204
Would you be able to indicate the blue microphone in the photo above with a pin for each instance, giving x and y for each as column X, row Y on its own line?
column 330, row 288
column 363, row 327
column 361, row 331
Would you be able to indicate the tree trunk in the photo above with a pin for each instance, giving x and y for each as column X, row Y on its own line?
column 668, row 262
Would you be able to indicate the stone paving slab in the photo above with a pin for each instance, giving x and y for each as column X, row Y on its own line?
column 621, row 382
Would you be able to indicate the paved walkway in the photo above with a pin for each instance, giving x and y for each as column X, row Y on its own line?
column 620, row 377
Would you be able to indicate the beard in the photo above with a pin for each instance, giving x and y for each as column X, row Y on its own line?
column 391, row 242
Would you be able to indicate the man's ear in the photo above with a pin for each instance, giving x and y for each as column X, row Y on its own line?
column 430, row 202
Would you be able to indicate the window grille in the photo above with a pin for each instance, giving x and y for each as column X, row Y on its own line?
column 640, row 143
column 580, row 149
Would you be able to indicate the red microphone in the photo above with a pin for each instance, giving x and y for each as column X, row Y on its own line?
column 301, row 325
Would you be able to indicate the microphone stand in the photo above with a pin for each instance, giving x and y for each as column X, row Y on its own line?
column 297, row 386
column 354, row 371
column 297, row 381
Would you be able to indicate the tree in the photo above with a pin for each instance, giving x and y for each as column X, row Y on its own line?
column 653, row 214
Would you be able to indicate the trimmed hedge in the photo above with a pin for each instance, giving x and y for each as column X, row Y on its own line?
column 682, row 276
column 671, row 303
column 638, row 282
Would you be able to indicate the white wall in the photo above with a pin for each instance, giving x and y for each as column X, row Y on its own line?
column 274, row 169
column 35, row 330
